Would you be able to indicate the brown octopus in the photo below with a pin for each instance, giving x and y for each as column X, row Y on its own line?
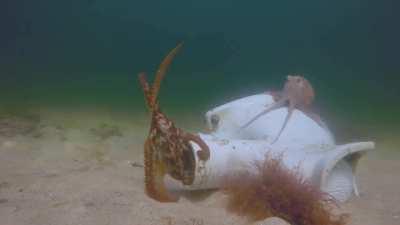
column 167, row 149
column 297, row 94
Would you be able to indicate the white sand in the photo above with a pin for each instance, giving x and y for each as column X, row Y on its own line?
column 69, row 176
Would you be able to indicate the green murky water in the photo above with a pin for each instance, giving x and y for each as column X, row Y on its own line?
column 83, row 54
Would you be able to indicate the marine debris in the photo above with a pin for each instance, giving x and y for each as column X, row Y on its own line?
column 226, row 121
column 167, row 149
column 298, row 94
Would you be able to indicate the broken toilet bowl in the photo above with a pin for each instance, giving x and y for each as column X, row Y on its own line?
column 303, row 144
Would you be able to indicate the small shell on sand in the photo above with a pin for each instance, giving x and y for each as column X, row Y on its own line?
column 272, row 221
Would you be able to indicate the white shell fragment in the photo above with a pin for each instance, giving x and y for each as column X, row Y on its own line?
column 303, row 145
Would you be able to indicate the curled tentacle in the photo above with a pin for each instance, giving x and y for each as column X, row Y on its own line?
column 204, row 153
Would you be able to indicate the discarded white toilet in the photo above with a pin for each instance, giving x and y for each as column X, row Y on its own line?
column 303, row 145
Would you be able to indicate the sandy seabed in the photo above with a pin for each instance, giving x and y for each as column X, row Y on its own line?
column 76, row 169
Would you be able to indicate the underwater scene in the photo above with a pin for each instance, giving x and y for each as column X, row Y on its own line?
column 146, row 112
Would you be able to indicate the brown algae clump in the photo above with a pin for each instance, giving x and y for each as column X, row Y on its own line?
column 275, row 191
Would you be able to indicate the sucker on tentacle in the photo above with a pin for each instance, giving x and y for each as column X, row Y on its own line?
column 167, row 149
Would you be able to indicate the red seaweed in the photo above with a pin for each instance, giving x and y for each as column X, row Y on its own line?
column 274, row 190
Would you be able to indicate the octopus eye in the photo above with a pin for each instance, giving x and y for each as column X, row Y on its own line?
column 298, row 80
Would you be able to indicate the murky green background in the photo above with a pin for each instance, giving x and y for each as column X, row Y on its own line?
column 82, row 54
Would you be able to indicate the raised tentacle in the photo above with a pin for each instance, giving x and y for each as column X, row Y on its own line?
column 162, row 69
column 146, row 89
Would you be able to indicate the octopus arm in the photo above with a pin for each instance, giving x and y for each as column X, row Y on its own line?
column 204, row 153
column 155, row 171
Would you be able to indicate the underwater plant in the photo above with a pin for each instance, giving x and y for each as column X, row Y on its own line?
column 275, row 191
